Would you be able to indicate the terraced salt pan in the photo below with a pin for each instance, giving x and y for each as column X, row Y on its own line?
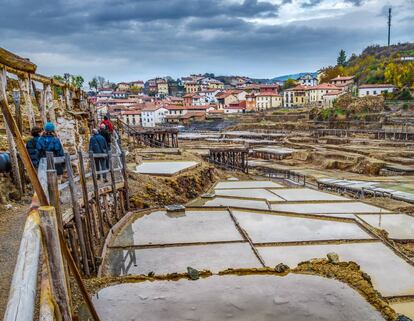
column 164, row 168
column 249, row 193
column 306, row 194
column 264, row 228
column 398, row 226
column 214, row 257
column 390, row 274
column 241, row 298
column 191, row 226
column 222, row 201
column 247, row 184
column 315, row 208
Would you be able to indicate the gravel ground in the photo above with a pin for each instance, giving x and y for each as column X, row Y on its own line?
column 11, row 228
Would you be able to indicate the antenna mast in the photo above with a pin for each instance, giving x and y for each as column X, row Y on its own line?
column 389, row 26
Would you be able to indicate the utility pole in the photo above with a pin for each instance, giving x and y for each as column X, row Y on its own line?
column 389, row 26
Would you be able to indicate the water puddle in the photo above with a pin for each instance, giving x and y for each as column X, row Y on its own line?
column 264, row 228
column 260, row 298
column 390, row 274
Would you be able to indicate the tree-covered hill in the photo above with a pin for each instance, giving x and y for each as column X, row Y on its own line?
column 376, row 64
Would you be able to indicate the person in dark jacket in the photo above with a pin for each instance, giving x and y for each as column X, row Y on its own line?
column 108, row 124
column 31, row 146
column 105, row 133
column 49, row 142
column 98, row 145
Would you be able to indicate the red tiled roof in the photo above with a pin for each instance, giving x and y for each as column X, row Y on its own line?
column 324, row 86
column 131, row 112
column 264, row 94
column 377, row 86
column 343, row 78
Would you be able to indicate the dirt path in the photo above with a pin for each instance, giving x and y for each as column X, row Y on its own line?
column 11, row 228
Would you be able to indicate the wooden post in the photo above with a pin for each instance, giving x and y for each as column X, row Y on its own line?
column 24, row 84
column 96, row 193
column 113, row 183
column 56, row 269
column 76, row 213
column 54, row 196
column 125, row 175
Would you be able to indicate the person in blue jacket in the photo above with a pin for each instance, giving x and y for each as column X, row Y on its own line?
column 98, row 145
column 49, row 142
column 31, row 146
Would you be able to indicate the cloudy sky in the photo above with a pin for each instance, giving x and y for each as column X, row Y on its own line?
column 138, row 39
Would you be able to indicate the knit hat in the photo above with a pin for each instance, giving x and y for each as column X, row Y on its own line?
column 49, row 127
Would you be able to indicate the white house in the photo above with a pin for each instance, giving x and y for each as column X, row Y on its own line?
column 266, row 100
column 375, row 89
column 307, row 80
column 209, row 95
column 316, row 93
column 153, row 115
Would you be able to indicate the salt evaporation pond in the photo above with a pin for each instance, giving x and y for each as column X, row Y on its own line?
column 163, row 260
column 390, row 274
column 164, row 168
column 247, row 184
column 265, row 228
column 259, row 193
column 398, row 226
column 242, row 298
column 330, row 208
column 189, row 227
column 306, row 194
column 237, row 202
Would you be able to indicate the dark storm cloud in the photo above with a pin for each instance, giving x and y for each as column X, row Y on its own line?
column 144, row 38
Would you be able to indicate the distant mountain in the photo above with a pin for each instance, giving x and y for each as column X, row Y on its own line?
column 293, row 76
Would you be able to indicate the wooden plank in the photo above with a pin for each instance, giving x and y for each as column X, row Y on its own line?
column 96, row 193
column 24, row 283
column 76, row 214
column 14, row 61
column 24, row 84
column 125, row 176
column 113, row 183
column 54, row 261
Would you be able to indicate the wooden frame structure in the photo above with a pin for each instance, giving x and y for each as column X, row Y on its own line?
column 230, row 158
column 151, row 137
column 376, row 134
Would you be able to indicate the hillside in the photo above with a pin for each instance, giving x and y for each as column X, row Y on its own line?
column 393, row 65
column 292, row 76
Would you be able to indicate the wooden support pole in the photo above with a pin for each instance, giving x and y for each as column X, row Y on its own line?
column 54, row 196
column 48, row 224
column 24, row 84
column 76, row 213
column 10, row 59
column 125, row 176
column 113, row 183
column 96, row 193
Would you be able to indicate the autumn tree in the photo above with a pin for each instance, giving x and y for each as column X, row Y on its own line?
column 289, row 83
column 93, row 84
column 331, row 72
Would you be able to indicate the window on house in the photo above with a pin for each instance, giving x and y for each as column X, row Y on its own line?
column 375, row 92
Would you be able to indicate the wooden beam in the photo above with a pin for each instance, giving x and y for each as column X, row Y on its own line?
column 54, row 261
column 14, row 61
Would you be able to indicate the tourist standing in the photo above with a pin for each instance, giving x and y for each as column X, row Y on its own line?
column 98, row 145
column 49, row 142
column 36, row 132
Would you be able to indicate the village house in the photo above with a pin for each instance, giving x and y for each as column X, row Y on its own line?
column 236, row 107
column 295, row 97
column 344, row 82
column 375, row 89
column 162, row 87
column 119, row 95
column 330, row 98
column 307, row 80
column 209, row 95
column 138, row 83
column 122, row 86
column 151, row 86
column 267, row 100
column 215, row 84
column 191, row 87
column 250, row 102
column 131, row 117
column 315, row 94
column 105, row 91
column 152, row 116
column 224, row 99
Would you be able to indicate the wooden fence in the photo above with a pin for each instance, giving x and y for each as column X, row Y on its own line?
column 230, row 158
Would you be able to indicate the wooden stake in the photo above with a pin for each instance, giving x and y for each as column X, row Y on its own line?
column 48, row 224
column 96, row 193
column 125, row 175
column 76, row 213
column 113, row 183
